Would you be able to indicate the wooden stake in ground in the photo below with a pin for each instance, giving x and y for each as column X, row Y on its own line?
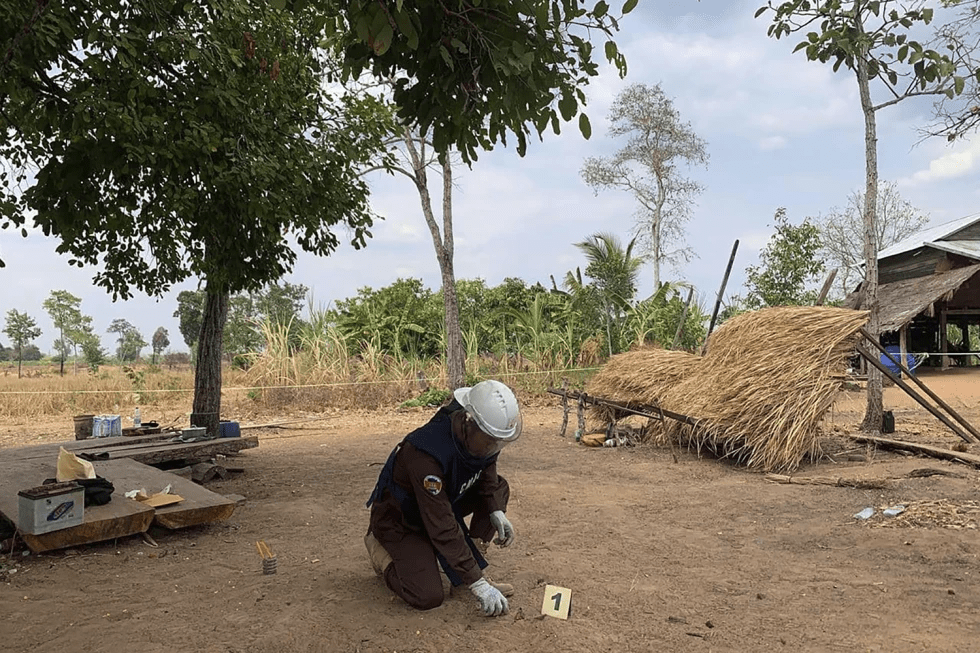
column 564, row 407
column 269, row 564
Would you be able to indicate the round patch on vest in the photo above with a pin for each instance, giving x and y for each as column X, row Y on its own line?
column 432, row 484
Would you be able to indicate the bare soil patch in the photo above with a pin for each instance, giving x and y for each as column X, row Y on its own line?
column 693, row 556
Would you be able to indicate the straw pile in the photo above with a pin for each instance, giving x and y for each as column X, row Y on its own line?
column 761, row 390
column 638, row 377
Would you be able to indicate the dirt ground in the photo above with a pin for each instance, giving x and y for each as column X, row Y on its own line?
column 690, row 556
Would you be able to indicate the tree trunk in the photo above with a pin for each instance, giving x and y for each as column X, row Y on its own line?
column 874, row 409
column 62, row 351
column 20, row 357
column 207, row 374
column 443, row 244
column 455, row 353
column 656, row 230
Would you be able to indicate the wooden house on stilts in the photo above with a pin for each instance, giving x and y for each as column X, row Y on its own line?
column 926, row 282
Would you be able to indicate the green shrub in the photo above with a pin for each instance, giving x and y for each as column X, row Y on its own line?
column 431, row 397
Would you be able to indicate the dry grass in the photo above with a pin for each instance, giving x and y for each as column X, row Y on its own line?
column 321, row 372
column 939, row 513
column 315, row 373
column 110, row 390
column 759, row 393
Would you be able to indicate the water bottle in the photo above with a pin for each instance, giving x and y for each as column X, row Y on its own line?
column 137, row 421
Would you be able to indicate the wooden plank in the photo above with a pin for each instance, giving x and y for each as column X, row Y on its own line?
column 189, row 451
column 120, row 517
column 200, row 505
column 78, row 446
column 928, row 450
column 145, row 451
column 909, row 265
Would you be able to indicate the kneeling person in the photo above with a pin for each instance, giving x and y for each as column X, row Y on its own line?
column 438, row 475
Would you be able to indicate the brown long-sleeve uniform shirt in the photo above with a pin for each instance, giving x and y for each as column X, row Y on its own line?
column 389, row 524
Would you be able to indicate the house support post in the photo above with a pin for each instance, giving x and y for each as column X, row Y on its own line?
column 943, row 337
column 903, row 346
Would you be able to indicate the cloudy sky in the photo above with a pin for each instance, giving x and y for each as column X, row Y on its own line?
column 781, row 132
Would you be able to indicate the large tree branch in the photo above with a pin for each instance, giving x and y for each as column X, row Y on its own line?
column 896, row 100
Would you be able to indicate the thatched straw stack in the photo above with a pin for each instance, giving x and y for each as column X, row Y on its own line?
column 767, row 380
column 642, row 376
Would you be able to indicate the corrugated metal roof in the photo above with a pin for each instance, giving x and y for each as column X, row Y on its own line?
column 900, row 301
column 927, row 236
column 968, row 248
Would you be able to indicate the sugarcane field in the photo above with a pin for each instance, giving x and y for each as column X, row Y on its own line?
column 757, row 517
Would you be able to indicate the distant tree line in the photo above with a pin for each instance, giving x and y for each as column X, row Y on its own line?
column 75, row 333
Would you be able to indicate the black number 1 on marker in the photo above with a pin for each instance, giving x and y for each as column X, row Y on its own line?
column 557, row 599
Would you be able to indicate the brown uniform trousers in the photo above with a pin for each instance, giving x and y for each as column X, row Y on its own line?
column 414, row 573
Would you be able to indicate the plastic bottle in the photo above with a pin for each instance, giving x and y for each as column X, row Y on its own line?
column 137, row 421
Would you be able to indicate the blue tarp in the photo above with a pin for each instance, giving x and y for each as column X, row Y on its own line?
column 897, row 355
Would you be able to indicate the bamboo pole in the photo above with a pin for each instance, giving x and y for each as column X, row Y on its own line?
column 643, row 410
column 901, row 366
column 721, row 294
column 935, row 452
column 649, row 411
column 826, row 288
column 912, row 393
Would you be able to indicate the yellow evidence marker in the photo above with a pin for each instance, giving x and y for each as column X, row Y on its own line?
column 557, row 602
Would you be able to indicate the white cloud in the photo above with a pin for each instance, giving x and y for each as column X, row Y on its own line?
column 957, row 163
column 741, row 80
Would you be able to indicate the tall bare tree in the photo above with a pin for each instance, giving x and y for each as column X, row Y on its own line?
column 871, row 39
column 414, row 157
column 842, row 230
column 648, row 166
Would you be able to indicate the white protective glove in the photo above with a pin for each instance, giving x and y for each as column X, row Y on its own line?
column 505, row 530
column 491, row 600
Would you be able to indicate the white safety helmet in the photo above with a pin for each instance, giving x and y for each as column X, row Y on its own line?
column 493, row 407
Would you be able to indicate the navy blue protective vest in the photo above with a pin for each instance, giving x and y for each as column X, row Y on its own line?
column 460, row 471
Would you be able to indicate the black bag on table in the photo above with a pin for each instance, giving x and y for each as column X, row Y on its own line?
column 98, row 490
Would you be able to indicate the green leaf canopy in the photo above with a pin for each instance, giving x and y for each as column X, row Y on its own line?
column 473, row 71
column 162, row 141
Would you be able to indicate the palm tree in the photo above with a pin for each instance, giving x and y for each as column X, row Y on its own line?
column 614, row 272
column 533, row 322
